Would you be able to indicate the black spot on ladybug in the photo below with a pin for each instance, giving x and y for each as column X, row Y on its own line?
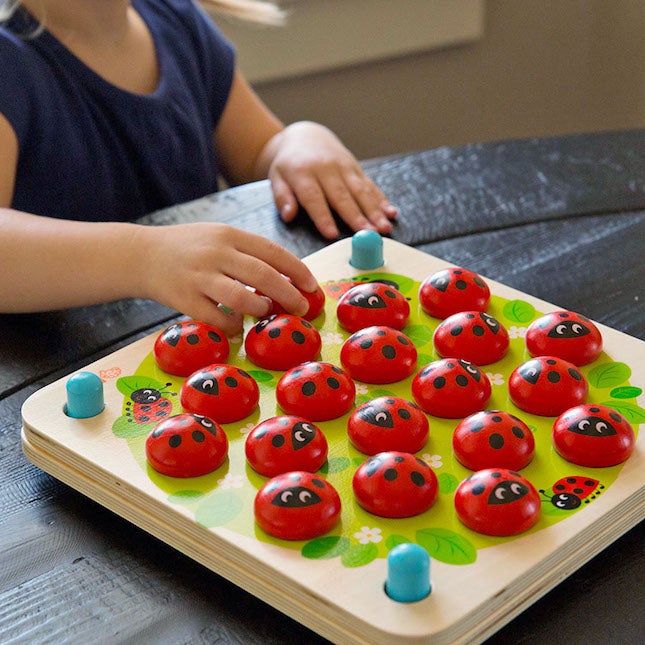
column 614, row 416
column 306, row 324
column 388, row 351
column 553, row 377
column 277, row 441
column 174, row 441
column 518, row 432
column 318, row 483
column 366, row 343
column 403, row 340
column 461, row 380
column 274, row 332
column 390, row 474
column 214, row 336
column 333, row 383
column 478, row 330
column 477, row 426
column 298, row 337
column 296, row 497
column 198, row 436
column 417, row 478
column 461, row 285
column 550, row 361
column 439, row 382
column 478, row 281
column 192, row 339
column 478, row 489
column 336, row 369
column 574, row 374
column 496, row 419
column 308, row 388
column 456, row 330
column 230, row 381
column 496, row 441
column 470, row 316
column 403, row 413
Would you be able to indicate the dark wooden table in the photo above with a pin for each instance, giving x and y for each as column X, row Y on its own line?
column 561, row 218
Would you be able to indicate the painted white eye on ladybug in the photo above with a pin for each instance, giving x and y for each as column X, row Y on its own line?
column 560, row 330
column 500, row 493
column 532, row 372
column 285, row 496
column 471, row 368
column 583, row 424
column 299, row 436
column 441, row 282
column 601, row 426
column 304, row 496
column 207, row 423
column 576, row 328
column 307, row 427
column 372, row 300
column 380, row 416
column 150, row 395
column 208, row 384
column 516, row 489
column 563, row 501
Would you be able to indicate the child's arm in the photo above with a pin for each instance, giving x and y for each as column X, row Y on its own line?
column 306, row 163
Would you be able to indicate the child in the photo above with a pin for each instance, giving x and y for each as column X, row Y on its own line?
column 110, row 109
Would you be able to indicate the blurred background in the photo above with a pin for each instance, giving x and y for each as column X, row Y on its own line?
column 392, row 76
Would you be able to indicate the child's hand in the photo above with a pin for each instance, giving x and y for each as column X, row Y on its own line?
column 311, row 167
column 196, row 267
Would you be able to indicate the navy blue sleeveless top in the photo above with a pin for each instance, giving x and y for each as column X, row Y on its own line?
column 91, row 151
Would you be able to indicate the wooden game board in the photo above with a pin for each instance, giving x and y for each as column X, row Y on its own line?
column 335, row 585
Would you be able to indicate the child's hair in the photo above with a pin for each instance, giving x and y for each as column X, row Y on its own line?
column 255, row 10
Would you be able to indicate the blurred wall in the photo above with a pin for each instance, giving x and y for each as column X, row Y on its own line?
column 541, row 68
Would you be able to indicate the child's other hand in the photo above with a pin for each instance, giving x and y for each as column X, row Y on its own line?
column 311, row 167
column 196, row 267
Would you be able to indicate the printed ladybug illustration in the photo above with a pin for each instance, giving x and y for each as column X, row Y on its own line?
column 222, row 392
column 186, row 445
column 184, row 347
column 568, row 493
column 395, row 484
column 372, row 303
column 378, row 355
column 547, row 386
column 497, row 501
column 474, row 336
column 566, row 335
column 148, row 405
column 281, row 342
column 493, row 439
column 316, row 300
column 593, row 435
column 450, row 291
column 316, row 391
column 451, row 388
column 284, row 443
column 388, row 423
column 297, row 506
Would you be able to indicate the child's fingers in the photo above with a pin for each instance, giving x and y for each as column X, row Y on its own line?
column 312, row 197
column 285, row 200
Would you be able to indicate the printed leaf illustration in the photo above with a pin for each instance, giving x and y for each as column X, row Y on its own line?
column 609, row 375
column 404, row 282
column 447, row 483
column 325, row 548
column 626, row 392
column 335, row 465
column 218, row 509
column 185, row 496
column 519, row 311
column 129, row 384
column 419, row 334
column 394, row 540
column 359, row 555
column 261, row 377
column 447, row 546
column 632, row 412
column 424, row 359
column 125, row 428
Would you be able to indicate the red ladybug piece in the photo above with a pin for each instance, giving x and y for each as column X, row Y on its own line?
column 372, row 303
column 493, row 439
column 497, row 501
column 316, row 391
column 182, row 348
column 221, row 392
column 547, row 386
column 378, row 355
column 593, row 435
column 281, row 342
column 474, row 336
column 297, row 506
column 186, row 445
column 451, row 388
column 388, row 423
column 285, row 443
column 566, row 335
column 450, row 291
column 316, row 300
column 395, row 484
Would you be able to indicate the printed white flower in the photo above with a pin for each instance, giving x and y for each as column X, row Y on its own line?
column 434, row 461
column 231, row 481
column 332, row 338
column 367, row 535
column 516, row 332
column 495, row 379
column 247, row 428
column 361, row 388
